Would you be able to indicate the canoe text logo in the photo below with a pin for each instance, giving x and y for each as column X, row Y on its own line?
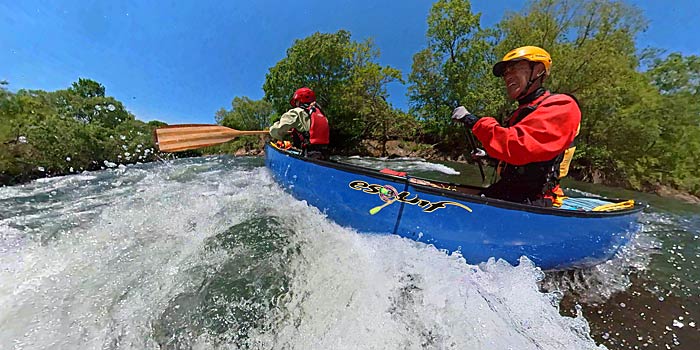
column 388, row 194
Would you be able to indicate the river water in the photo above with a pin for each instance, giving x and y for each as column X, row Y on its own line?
column 210, row 253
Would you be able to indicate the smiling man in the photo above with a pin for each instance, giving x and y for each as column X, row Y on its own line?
column 535, row 146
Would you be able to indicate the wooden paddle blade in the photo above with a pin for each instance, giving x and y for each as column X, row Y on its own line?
column 176, row 138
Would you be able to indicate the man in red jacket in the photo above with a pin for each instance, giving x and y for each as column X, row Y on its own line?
column 535, row 146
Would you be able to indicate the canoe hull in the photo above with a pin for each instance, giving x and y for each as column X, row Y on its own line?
column 479, row 228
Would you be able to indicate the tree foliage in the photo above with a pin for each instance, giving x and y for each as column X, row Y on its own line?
column 246, row 114
column 349, row 84
column 453, row 70
column 66, row 131
column 677, row 145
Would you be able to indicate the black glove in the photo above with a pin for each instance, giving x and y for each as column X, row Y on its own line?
column 462, row 115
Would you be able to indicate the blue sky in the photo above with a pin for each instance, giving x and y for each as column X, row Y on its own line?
column 180, row 61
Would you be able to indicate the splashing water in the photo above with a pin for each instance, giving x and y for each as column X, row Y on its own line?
column 211, row 253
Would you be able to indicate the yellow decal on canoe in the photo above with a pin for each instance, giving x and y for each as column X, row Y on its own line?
column 389, row 195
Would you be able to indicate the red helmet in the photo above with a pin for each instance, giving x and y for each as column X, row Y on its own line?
column 302, row 96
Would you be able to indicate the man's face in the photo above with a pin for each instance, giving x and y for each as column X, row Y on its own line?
column 516, row 76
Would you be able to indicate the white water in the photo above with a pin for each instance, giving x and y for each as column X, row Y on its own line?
column 111, row 259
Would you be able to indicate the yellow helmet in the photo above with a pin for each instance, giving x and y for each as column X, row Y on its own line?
column 529, row 53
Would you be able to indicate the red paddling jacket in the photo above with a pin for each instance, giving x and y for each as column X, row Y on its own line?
column 536, row 146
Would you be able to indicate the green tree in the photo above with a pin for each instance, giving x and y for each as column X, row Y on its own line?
column 3, row 88
column 246, row 114
column 676, row 74
column 66, row 131
column 344, row 75
column 156, row 124
column 87, row 88
column 6, row 134
column 455, row 69
column 86, row 102
column 677, row 147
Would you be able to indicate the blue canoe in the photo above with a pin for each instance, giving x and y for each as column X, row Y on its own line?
column 453, row 217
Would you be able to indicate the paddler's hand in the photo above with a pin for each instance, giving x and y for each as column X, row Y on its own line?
column 462, row 115
column 478, row 154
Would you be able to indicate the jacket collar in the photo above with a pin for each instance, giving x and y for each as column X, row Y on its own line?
column 532, row 96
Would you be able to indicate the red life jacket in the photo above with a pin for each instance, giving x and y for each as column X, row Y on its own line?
column 318, row 133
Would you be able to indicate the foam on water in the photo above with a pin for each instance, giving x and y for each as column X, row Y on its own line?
column 598, row 283
column 211, row 253
column 360, row 292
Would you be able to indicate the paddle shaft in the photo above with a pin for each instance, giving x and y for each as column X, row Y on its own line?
column 472, row 143
column 176, row 138
column 252, row 132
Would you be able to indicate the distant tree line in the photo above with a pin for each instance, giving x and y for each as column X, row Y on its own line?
column 67, row 131
column 641, row 108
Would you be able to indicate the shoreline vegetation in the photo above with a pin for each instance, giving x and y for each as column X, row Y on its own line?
column 641, row 106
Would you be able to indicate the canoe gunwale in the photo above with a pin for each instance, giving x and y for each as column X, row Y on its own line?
column 356, row 169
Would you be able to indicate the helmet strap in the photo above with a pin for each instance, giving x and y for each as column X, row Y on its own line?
column 531, row 80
